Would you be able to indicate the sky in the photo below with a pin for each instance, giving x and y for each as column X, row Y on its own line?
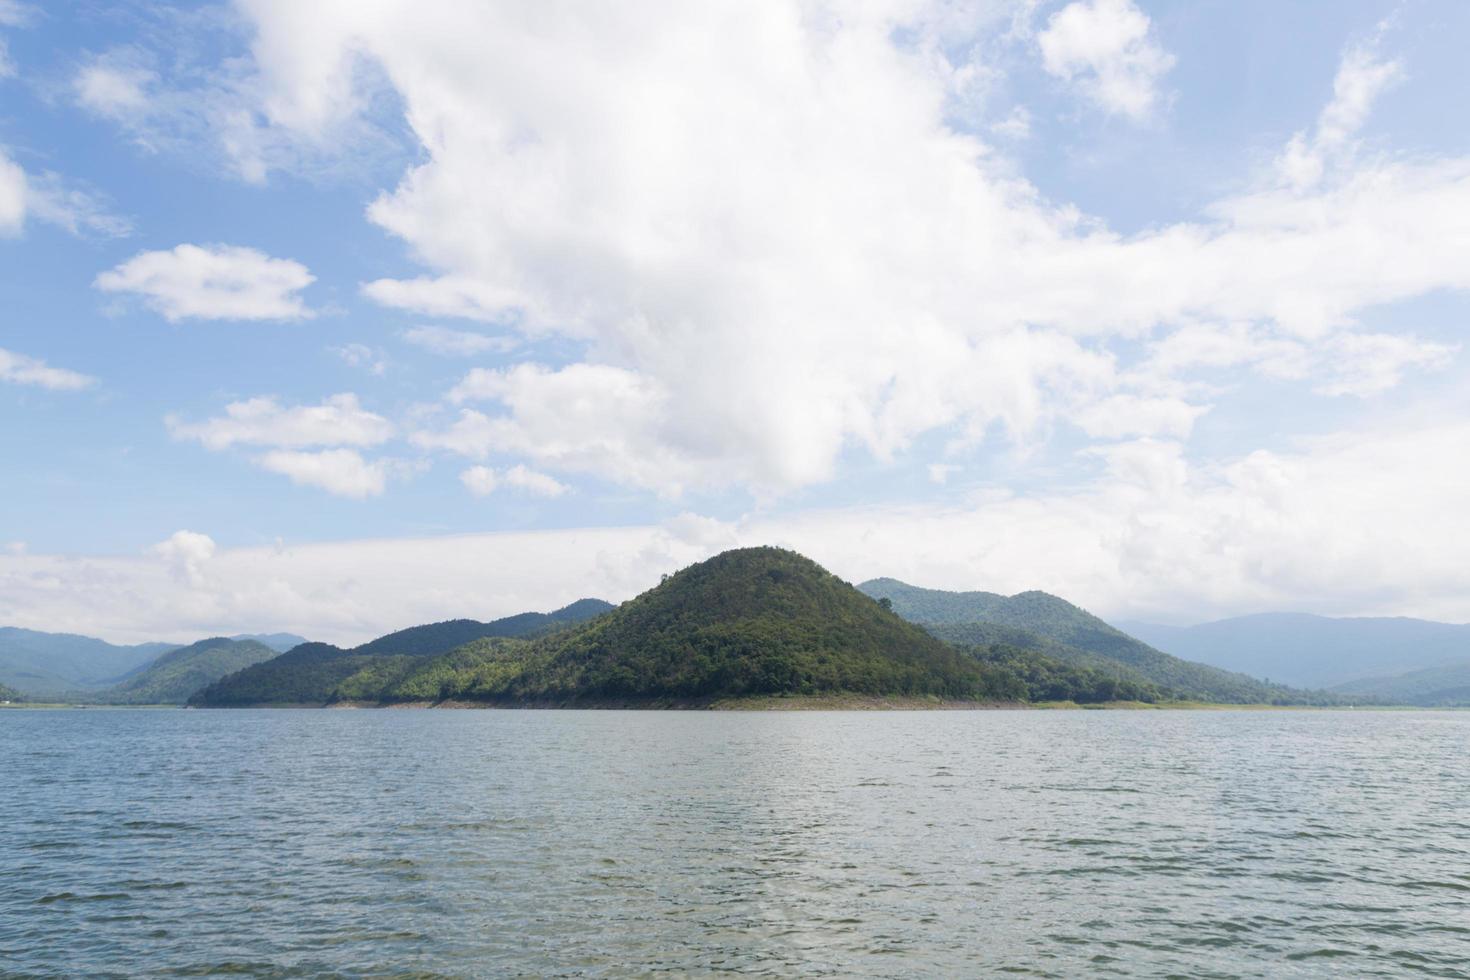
column 343, row 316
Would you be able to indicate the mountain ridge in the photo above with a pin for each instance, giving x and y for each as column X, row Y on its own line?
column 1082, row 636
column 1311, row 650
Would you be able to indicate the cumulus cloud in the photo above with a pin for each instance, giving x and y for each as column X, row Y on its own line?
column 457, row 343
column 1336, row 525
column 340, row 420
column 343, row 472
column 22, row 370
column 1106, row 49
column 213, row 282
column 185, row 554
column 835, row 244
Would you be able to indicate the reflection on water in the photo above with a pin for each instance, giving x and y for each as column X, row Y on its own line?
column 401, row 843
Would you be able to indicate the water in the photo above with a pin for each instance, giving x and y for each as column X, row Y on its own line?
column 474, row 843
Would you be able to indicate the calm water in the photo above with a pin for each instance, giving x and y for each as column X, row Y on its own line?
column 473, row 843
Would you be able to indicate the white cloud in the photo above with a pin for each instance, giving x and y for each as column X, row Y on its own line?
column 1105, row 48
column 343, row 472
column 214, row 282
column 338, row 421
column 483, row 481
column 480, row 480
column 1361, row 77
column 941, row 472
column 362, row 356
column 1347, row 363
column 113, row 91
column 12, row 196
column 532, row 482
column 457, row 343
column 22, row 370
column 13, row 13
column 698, row 264
column 47, row 197
column 1121, row 416
column 1337, row 526
column 185, row 553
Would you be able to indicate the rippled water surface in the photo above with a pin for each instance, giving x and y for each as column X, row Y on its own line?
column 474, row 843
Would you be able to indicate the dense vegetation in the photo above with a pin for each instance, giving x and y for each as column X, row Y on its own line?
column 1074, row 635
column 1445, row 686
column 51, row 665
column 177, row 675
column 311, row 673
column 747, row 622
column 753, row 622
column 10, row 694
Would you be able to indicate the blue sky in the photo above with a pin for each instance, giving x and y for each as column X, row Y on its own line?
column 339, row 316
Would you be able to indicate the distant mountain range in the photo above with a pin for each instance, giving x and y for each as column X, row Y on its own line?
column 313, row 672
column 174, row 677
column 47, row 664
column 1039, row 621
column 764, row 621
column 1362, row 656
column 753, row 622
column 63, row 665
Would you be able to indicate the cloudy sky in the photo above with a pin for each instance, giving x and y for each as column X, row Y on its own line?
column 341, row 316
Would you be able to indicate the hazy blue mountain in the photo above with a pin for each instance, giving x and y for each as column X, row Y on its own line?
column 177, row 675
column 311, row 672
column 1434, row 687
column 40, row 664
column 279, row 642
column 1066, row 632
column 1313, row 651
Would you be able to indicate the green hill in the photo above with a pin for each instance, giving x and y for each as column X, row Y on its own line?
column 746, row 622
column 311, row 672
column 1071, row 634
column 177, row 675
column 752, row 622
column 1445, row 686
column 57, row 664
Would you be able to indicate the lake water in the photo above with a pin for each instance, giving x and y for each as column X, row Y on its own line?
column 475, row 843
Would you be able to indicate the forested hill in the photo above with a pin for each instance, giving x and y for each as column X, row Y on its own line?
column 1069, row 633
column 746, row 622
column 753, row 622
column 174, row 677
column 55, row 664
column 309, row 673
column 1444, row 686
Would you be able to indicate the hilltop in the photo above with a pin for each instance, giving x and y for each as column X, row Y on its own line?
column 56, row 664
column 1041, row 621
column 310, row 673
column 1445, row 686
column 177, row 675
column 747, row 624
